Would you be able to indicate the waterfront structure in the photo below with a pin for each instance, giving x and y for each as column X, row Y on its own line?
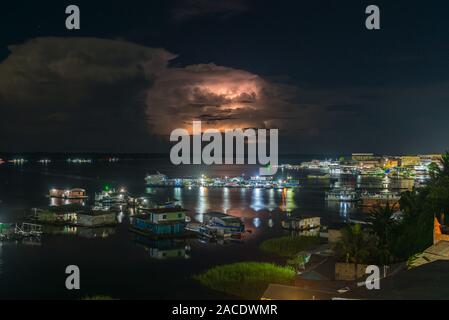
column 362, row 156
column 409, row 161
column 74, row 215
column 57, row 214
column 303, row 223
column 342, row 194
column 156, row 180
column 76, row 193
column 112, row 196
column 160, row 222
column 95, row 218
column 380, row 198
column 224, row 221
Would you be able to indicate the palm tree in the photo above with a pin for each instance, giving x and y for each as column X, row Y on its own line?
column 383, row 226
column 354, row 245
column 440, row 170
column 439, row 187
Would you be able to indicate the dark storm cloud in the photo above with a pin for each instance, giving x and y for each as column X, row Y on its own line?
column 76, row 93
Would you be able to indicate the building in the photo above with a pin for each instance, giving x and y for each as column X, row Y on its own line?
column 427, row 282
column 363, row 156
column 76, row 193
column 409, row 161
column 389, row 163
column 161, row 222
column 156, row 180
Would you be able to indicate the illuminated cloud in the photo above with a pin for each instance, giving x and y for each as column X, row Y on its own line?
column 222, row 98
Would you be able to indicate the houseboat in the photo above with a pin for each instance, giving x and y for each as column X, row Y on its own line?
column 69, row 194
column 342, row 194
column 301, row 224
column 95, row 217
column 74, row 215
column 379, row 198
column 224, row 221
column 61, row 215
column 112, row 196
column 161, row 222
column 218, row 225
column 156, row 180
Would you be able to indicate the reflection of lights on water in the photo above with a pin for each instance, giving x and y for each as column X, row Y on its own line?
column 150, row 190
column 257, row 222
column 257, row 199
column 120, row 217
column 199, row 217
column 203, row 200
column 271, row 200
column 226, row 202
column 177, row 194
column 288, row 200
column 344, row 206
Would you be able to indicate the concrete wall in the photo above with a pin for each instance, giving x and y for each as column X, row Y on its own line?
column 334, row 235
column 349, row 271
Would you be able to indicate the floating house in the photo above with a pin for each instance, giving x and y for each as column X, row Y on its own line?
column 95, row 218
column 76, row 193
column 75, row 215
column 224, row 221
column 57, row 214
column 161, row 222
column 303, row 223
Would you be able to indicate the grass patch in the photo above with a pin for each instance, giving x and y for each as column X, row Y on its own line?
column 245, row 279
column 289, row 246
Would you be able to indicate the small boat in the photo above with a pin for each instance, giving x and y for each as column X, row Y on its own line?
column 112, row 196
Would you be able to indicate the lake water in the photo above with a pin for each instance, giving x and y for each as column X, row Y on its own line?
column 117, row 263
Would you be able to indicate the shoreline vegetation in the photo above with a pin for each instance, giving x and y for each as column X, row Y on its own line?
column 249, row 280
column 246, row 280
column 289, row 246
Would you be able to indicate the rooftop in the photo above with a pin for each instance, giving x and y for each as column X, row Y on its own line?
column 426, row 282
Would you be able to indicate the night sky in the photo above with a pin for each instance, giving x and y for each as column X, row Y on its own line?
column 138, row 69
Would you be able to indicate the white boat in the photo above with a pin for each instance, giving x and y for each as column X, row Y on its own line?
column 112, row 196
column 342, row 194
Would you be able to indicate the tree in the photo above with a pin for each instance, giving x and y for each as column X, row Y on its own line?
column 299, row 261
column 439, row 188
column 383, row 225
column 354, row 245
